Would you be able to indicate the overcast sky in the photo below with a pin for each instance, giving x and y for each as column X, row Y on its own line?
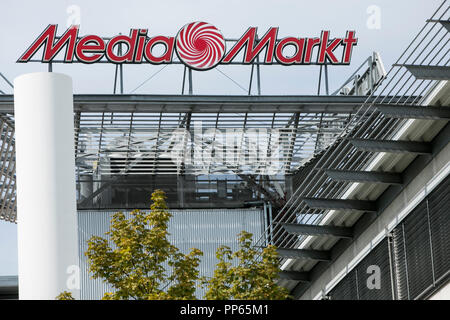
column 22, row 21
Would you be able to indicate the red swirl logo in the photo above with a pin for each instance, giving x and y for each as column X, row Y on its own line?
column 200, row 45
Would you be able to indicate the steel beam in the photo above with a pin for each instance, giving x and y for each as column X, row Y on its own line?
column 294, row 275
column 446, row 24
column 307, row 254
column 365, row 176
column 208, row 104
column 414, row 112
column 341, row 204
column 428, row 72
column 315, row 230
column 394, row 146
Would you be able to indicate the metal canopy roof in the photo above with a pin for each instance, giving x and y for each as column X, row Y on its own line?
column 133, row 134
column 145, row 123
column 140, row 142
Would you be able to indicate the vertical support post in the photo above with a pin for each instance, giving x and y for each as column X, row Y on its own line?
column 292, row 141
column 121, row 69
column 184, row 80
column 356, row 282
column 46, row 190
column 316, row 146
column 320, row 80
column 258, row 72
column 121, row 78
column 115, row 79
column 326, row 80
column 251, row 80
column 190, row 81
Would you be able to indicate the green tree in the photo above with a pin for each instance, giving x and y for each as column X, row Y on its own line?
column 253, row 278
column 65, row 295
column 136, row 257
column 136, row 263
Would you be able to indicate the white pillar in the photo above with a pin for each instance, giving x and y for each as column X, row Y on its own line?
column 46, row 194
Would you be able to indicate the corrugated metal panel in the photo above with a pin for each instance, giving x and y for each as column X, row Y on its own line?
column 202, row 229
column 89, row 224
column 418, row 253
column 422, row 254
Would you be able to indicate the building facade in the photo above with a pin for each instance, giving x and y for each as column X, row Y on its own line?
column 352, row 187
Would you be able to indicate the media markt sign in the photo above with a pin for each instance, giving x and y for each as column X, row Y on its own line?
column 199, row 45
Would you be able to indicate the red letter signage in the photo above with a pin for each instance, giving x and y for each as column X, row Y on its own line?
column 198, row 45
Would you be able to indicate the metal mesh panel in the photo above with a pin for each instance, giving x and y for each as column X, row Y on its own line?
column 439, row 212
column 418, row 254
column 354, row 285
column 377, row 257
column 421, row 246
column 346, row 289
